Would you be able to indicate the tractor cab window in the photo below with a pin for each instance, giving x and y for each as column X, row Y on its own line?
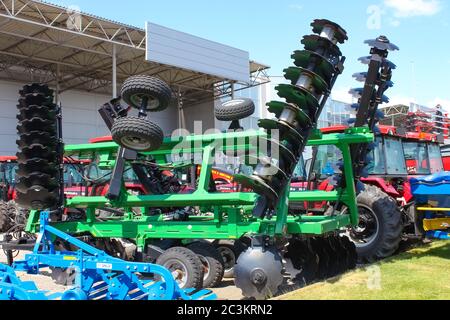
column 436, row 164
column 416, row 155
column 8, row 174
column 326, row 163
column 377, row 166
column 395, row 158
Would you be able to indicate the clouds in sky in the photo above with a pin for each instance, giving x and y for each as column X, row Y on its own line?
column 413, row 8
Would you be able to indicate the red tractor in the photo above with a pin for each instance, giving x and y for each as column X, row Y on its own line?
column 445, row 151
column 387, row 213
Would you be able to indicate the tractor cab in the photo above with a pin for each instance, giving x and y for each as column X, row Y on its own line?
column 422, row 154
column 8, row 167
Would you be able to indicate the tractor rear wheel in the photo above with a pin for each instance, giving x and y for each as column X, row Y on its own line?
column 185, row 266
column 137, row 134
column 212, row 262
column 379, row 232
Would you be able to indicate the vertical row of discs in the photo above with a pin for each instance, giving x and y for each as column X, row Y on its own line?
column 312, row 78
column 38, row 174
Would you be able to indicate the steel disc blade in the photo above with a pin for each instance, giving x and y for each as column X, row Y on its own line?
column 36, row 181
column 37, row 166
column 35, row 111
column 314, row 62
column 258, row 273
column 277, row 108
column 303, row 258
column 319, row 86
column 287, row 131
column 361, row 76
column 382, row 45
column 34, row 199
column 258, row 185
column 351, row 252
column 322, row 46
column 36, row 124
column 36, row 151
column 39, row 100
column 324, row 260
column 319, row 24
column 333, row 265
column 284, row 150
column 36, row 88
column 341, row 254
column 298, row 96
column 37, row 137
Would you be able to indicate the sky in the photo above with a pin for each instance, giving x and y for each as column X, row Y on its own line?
column 272, row 30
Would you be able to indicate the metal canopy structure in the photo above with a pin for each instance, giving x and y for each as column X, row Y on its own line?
column 395, row 115
column 69, row 50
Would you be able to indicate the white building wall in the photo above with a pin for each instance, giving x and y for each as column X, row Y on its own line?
column 81, row 120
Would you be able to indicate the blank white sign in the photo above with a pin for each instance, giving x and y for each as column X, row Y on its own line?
column 182, row 50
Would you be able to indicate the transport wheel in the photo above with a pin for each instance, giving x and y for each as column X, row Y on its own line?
column 137, row 88
column 185, row 266
column 5, row 220
column 230, row 252
column 137, row 134
column 235, row 110
column 380, row 228
column 212, row 262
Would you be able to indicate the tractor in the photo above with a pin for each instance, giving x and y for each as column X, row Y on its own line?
column 386, row 207
column 173, row 229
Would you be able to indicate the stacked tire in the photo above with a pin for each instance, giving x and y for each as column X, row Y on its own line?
column 39, row 155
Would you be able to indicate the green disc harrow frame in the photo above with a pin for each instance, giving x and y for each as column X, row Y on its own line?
column 232, row 217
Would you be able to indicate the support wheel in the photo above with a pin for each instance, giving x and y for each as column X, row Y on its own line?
column 212, row 262
column 137, row 88
column 235, row 110
column 379, row 232
column 137, row 134
column 185, row 266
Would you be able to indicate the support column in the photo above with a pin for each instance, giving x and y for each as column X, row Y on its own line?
column 58, row 88
column 181, row 118
column 114, row 72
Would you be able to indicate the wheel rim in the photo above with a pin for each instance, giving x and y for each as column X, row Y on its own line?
column 152, row 103
column 136, row 143
column 368, row 228
column 229, row 258
column 179, row 272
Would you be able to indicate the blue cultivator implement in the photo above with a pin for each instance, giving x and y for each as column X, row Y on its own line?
column 432, row 196
column 98, row 275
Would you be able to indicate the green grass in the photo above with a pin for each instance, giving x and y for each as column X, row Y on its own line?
column 420, row 274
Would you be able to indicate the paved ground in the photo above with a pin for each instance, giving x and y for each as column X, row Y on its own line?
column 226, row 292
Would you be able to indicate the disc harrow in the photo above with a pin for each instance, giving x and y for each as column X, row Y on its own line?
column 40, row 149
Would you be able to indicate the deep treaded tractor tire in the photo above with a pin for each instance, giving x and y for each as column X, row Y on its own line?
column 137, row 87
column 177, row 257
column 235, row 110
column 5, row 220
column 389, row 225
column 137, row 134
column 212, row 263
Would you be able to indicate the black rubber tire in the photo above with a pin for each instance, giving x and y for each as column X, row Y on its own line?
column 190, row 260
column 234, row 110
column 236, row 247
column 390, row 225
column 212, row 257
column 137, row 86
column 5, row 220
column 137, row 134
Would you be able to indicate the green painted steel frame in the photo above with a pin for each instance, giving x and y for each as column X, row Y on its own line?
column 232, row 217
